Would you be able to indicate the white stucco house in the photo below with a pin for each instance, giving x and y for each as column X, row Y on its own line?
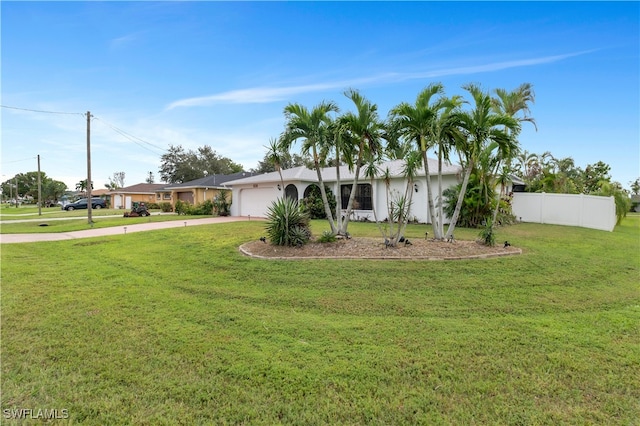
column 253, row 195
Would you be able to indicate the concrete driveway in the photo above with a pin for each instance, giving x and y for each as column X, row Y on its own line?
column 116, row 230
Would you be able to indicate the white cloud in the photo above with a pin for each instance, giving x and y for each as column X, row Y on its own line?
column 274, row 94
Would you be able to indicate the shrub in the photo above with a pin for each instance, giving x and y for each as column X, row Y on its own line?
column 287, row 223
column 203, row 209
column 166, row 207
column 183, row 207
column 327, row 237
column 221, row 203
column 487, row 237
column 313, row 205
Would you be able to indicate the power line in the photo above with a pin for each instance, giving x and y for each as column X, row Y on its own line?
column 131, row 137
column 18, row 161
column 42, row 111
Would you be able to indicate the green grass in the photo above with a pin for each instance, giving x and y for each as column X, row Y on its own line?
column 81, row 224
column 177, row 327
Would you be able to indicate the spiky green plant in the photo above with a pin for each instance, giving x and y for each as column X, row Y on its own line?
column 287, row 223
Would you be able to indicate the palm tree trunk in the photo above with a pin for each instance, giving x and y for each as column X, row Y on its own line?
column 463, row 190
column 432, row 211
column 323, row 193
column 354, row 187
column 440, row 215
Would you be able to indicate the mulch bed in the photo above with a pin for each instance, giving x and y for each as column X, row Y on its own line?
column 374, row 248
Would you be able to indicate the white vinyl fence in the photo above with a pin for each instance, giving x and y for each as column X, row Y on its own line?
column 587, row 211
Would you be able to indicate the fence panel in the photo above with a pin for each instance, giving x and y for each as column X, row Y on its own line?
column 587, row 211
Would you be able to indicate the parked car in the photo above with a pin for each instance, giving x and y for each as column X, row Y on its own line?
column 96, row 203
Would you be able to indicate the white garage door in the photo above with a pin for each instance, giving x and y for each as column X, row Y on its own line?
column 256, row 201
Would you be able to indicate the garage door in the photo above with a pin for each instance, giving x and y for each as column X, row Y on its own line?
column 186, row 197
column 256, row 201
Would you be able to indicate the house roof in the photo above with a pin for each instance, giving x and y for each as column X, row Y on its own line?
column 140, row 188
column 301, row 173
column 211, row 181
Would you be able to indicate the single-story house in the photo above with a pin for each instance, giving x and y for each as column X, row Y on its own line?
column 123, row 198
column 199, row 190
column 252, row 196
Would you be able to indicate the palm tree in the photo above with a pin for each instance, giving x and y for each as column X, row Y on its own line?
column 447, row 133
column 481, row 126
column 312, row 128
column 275, row 156
column 511, row 104
column 418, row 124
column 366, row 129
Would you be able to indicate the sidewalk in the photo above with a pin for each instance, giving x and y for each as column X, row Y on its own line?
column 116, row 230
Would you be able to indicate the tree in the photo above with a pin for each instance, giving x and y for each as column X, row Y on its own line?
column 312, row 128
column 287, row 161
column 150, row 178
column 594, row 174
column 52, row 190
column 417, row 123
column 446, row 135
column 635, row 186
column 178, row 165
column 275, row 155
column 82, row 186
column 514, row 104
column 481, row 126
column 117, row 181
column 365, row 129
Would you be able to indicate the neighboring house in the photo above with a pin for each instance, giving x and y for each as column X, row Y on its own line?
column 635, row 202
column 123, row 198
column 199, row 190
column 252, row 196
column 102, row 193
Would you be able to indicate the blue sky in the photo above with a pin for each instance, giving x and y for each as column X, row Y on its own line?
column 185, row 73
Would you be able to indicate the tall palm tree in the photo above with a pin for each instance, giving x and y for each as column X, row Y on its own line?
column 447, row 133
column 312, row 128
column 481, row 125
column 366, row 129
column 418, row 124
column 275, row 156
column 512, row 104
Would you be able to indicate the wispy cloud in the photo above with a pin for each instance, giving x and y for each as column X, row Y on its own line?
column 273, row 94
column 123, row 41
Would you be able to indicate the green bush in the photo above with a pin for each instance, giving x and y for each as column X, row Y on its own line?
column 313, row 205
column 203, row 209
column 287, row 223
column 221, row 203
column 166, row 207
column 183, row 207
column 327, row 237
column 487, row 237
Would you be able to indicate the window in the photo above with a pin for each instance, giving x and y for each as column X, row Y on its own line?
column 362, row 200
column 167, row 196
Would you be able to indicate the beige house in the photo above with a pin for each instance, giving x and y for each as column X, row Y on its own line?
column 123, row 198
column 198, row 191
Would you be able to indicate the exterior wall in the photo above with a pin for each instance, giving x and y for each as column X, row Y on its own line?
column 164, row 197
column 587, row 211
column 119, row 200
column 254, row 200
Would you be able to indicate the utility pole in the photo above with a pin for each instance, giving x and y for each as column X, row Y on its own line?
column 89, row 217
column 39, row 189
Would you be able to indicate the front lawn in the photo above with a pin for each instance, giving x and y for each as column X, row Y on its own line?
column 177, row 327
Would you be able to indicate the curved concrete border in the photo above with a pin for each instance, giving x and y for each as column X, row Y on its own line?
column 246, row 252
